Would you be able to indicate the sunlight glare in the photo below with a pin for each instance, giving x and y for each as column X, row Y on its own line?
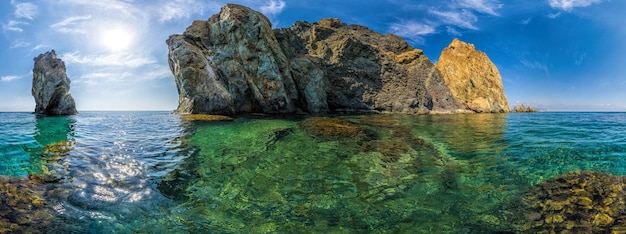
column 117, row 39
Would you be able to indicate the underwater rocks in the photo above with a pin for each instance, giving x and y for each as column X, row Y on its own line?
column 22, row 206
column 332, row 128
column 578, row 202
column 205, row 117
column 473, row 79
column 234, row 63
column 51, row 86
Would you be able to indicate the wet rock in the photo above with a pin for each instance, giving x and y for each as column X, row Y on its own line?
column 23, row 208
column 578, row 202
column 332, row 128
column 51, row 86
column 205, row 117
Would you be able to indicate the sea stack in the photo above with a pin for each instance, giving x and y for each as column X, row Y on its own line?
column 473, row 79
column 235, row 63
column 51, row 86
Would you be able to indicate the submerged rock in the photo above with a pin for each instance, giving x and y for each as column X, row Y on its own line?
column 473, row 79
column 51, row 86
column 234, row 63
column 578, row 202
column 332, row 128
column 22, row 206
column 205, row 117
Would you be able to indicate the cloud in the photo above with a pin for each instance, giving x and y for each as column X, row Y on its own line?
column 526, row 21
column 452, row 31
column 67, row 25
column 182, row 9
column 20, row 44
column 13, row 25
column 568, row 5
column 463, row 19
column 122, row 59
column 554, row 15
column 9, row 78
column 535, row 65
column 25, row 10
column 482, row 6
column 412, row 30
column 40, row 46
column 273, row 7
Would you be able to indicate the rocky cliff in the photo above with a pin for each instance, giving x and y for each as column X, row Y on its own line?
column 473, row 79
column 51, row 86
column 235, row 63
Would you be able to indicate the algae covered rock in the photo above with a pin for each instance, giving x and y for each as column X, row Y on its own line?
column 51, row 86
column 578, row 202
column 205, row 117
column 22, row 206
column 473, row 79
column 332, row 128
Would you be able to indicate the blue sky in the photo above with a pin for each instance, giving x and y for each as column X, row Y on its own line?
column 558, row 55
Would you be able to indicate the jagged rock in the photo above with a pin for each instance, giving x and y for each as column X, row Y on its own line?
column 231, row 63
column 234, row 63
column 51, row 86
column 364, row 70
column 473, row 79
column 523, row 108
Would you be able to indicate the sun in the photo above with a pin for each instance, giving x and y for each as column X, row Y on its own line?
column 117, row 39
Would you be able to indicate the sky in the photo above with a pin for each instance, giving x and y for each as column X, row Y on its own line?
column 556, row 55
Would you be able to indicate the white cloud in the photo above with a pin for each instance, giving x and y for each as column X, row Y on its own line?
column 452, row 31
column 568, row 5
column 40, row 46
column 13, row 25
column 554, row 15
column 463, row 19
column 122, row 59
column 526, row 21
column 273, row 7
column 535, row 65
column 182, row 9
column 9, row 78
column 25, row 10
column 482, row 6
column 69, row 24
column 413, row 30
column 20, row 44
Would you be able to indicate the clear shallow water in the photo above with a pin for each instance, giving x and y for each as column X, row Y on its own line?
column 153, row 172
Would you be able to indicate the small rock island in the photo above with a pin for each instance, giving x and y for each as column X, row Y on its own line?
column 51, row 86
column 234, row 63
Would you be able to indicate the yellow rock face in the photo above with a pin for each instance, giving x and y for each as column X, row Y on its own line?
column 473, row 79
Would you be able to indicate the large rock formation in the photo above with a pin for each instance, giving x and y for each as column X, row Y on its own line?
column 473, row 79
column 51, row 86
column 234, row 63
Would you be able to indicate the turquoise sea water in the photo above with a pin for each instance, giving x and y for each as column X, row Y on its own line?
column 130, row 172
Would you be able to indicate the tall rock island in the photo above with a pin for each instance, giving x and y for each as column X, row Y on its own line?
column 235, row 63
column 473, row 79
column 51, row 86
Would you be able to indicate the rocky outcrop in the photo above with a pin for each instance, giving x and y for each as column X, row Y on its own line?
column 523, row 108
column 51, row 86
column 473, row 79
column 234, row 63
column 358, row 69
column 230, row 64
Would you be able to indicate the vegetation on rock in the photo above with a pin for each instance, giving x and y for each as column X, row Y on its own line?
column 578, row 202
